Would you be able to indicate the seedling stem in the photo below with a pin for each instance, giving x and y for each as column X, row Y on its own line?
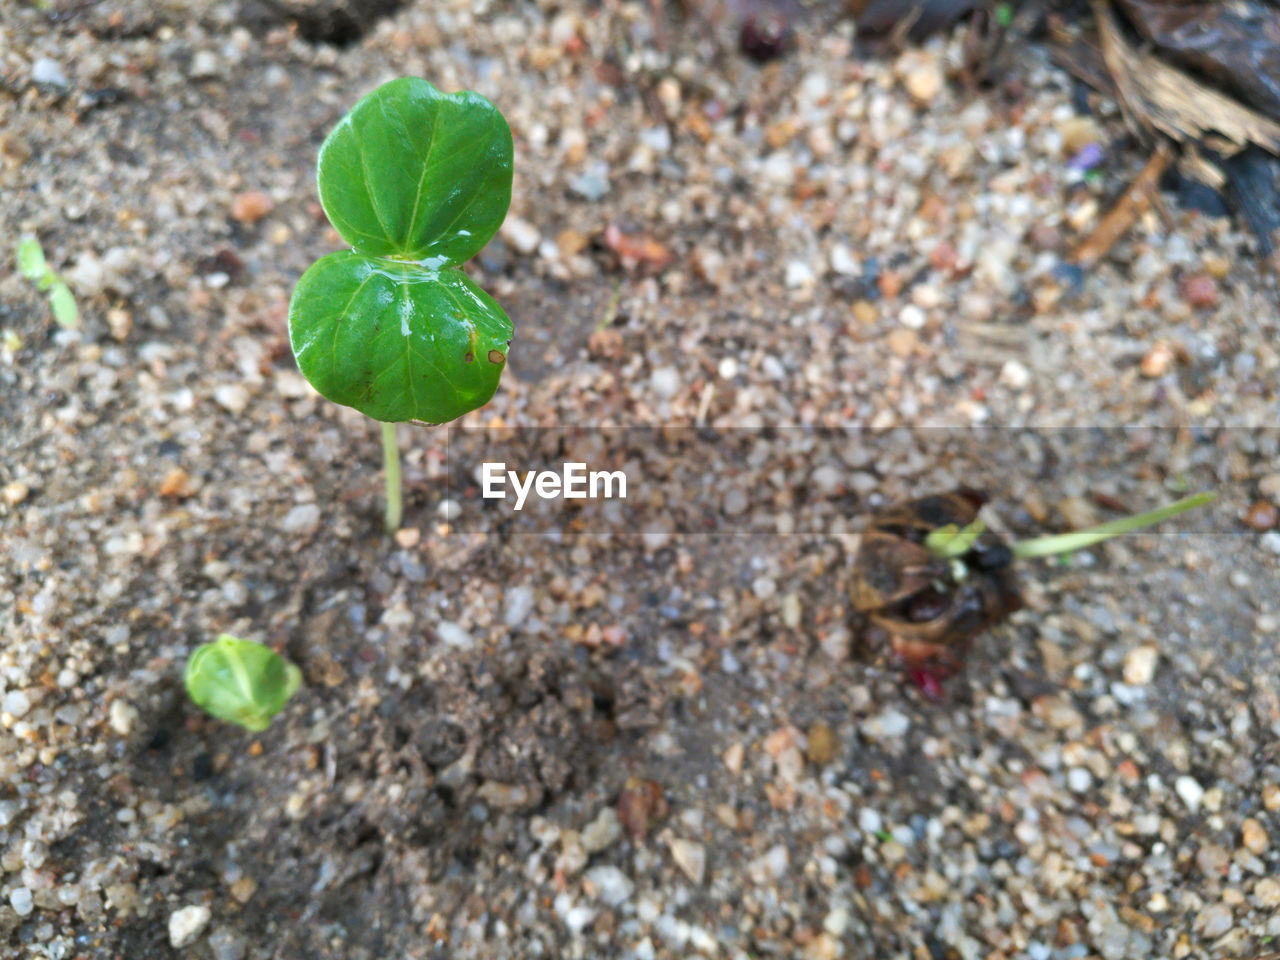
column 391, row 467
column 1079, row 539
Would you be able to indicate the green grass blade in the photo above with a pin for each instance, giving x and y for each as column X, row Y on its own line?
column 1079, row 539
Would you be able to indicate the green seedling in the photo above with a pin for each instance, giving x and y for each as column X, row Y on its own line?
column 34, row 267
column 240, row 681
column 416, row 182
column 951, row 542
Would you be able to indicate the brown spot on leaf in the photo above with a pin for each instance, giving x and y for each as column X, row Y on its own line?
column 496, row 356
column 468, row 357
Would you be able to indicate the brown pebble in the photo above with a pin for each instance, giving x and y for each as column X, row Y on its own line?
column 176, row 484
column 943, row 257
column 1254, row 836
column 251, row 206
column 890, row 284
column 903, row 343
column 640, row 804
column 1217, row 266
column 1262, row 515
column 821, row 746
column 1200, row 290
column 1043, row 236
column 864, row 312
column 1158, row 360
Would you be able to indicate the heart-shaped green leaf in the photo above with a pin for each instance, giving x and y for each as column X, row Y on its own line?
column 397, row 341
column 417, row 174
column 240, row 681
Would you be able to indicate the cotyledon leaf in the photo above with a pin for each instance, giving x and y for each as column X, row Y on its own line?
column 240, row 681
column 417, row 174
column 396, row 340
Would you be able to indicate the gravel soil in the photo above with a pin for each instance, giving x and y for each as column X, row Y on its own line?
column 663, row 744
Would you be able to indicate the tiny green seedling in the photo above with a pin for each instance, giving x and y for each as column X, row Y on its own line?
column 35, row 268
column 240, row 681
column 951, row 542
column 416, row 182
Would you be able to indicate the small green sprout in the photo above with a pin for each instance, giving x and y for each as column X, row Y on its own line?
column 34, row 267
column 416, row 182
column 240, row 681
column 951, row 543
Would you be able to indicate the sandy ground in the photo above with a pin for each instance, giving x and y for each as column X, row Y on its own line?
column 660, row 732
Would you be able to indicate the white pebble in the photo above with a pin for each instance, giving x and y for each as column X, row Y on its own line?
column 1190, row 791
column 612, row 885
column 1014, row 374
column 521, row 234
column 665, row 382
column 1079, row 780
column 302, row 519
column 869, row 821
column 517, row 605
column 690, row 857
column 16, row 704
column 21, row 901
column 453, row 635
column 844, row 262
column 122, row 716
column 911, row 317
column 799, row 274
column 48, row 72
column 187, row 924
column 1140, row 665
column 891, row 723
column 232, row 397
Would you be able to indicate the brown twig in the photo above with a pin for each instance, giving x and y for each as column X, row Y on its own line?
column 1128, row 208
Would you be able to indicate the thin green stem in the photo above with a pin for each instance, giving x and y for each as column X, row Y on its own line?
column 1079, row 539
column 391, row 469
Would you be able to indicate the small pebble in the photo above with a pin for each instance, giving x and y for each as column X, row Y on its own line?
column 302, row 520
column 1254, row 836
column 665, row 382
column 227, row 945
column 521, row 234
column 232, row 397
column 1157, row 361
column 612, row 886
column 882, row 726
column 1200, row 290
column 187, row 924
column 205, row 65
column 251, row 206
column 21, row 900
column 821, row 744
column 122, row 715
column 921, row 75
column 48, row 72
column 690, row 857
column 1262, row 515
column 15, row 492
column 453, row 635
column 1189, row 789
column 1140, row 665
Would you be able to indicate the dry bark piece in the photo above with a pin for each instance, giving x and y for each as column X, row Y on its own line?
column 1236, row 45
column 1158, row 96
